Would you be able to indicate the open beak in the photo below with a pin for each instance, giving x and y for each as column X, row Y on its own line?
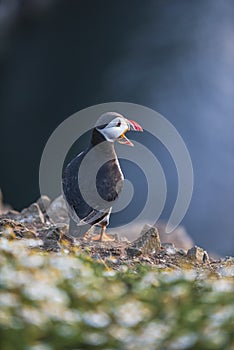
column 132, row 125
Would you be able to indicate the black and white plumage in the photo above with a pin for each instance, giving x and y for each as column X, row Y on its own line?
column 100, row 154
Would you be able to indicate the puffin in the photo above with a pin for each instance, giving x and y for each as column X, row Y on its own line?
column 93, row 180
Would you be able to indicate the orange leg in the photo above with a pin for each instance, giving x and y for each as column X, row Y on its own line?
column 103, row 236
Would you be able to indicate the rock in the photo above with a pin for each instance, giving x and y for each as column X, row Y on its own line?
column 182, row 252
column 226, row 267
column 7, row 229
column 53, row 236
column 53, row 231
column 12, row 229
column 198, row 254
column 179, row 236
column 10, row 214
column 148, row 242
column 169, row 248
column 205, row 256
column 57, row 211
column 50, row 238
column 32, row 215
column 44, row 203
column 133, row 252
column 96, row 257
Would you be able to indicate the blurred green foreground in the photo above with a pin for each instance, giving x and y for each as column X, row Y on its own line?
column 68, row 301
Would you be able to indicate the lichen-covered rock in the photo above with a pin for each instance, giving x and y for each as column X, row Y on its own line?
column 53, row 236
column 11, row 229
column 198, row 254
column 179, row 237
column 51, row 241
column 148, row 242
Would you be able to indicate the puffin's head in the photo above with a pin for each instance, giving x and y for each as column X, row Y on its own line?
column 113, row 126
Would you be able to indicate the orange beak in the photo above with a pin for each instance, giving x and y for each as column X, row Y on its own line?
column 132, row 125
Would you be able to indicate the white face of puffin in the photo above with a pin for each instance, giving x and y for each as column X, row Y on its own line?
column 115, row 130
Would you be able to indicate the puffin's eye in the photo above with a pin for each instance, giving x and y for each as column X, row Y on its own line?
column 118, row 124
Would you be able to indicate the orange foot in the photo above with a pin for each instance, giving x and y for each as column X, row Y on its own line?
column 103, row 238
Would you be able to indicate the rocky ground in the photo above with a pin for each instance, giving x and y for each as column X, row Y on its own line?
column 146, row 291
column 47, row 223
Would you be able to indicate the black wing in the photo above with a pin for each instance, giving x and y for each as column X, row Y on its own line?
column 108, row 184
column 71, row 189
column 109, row 181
